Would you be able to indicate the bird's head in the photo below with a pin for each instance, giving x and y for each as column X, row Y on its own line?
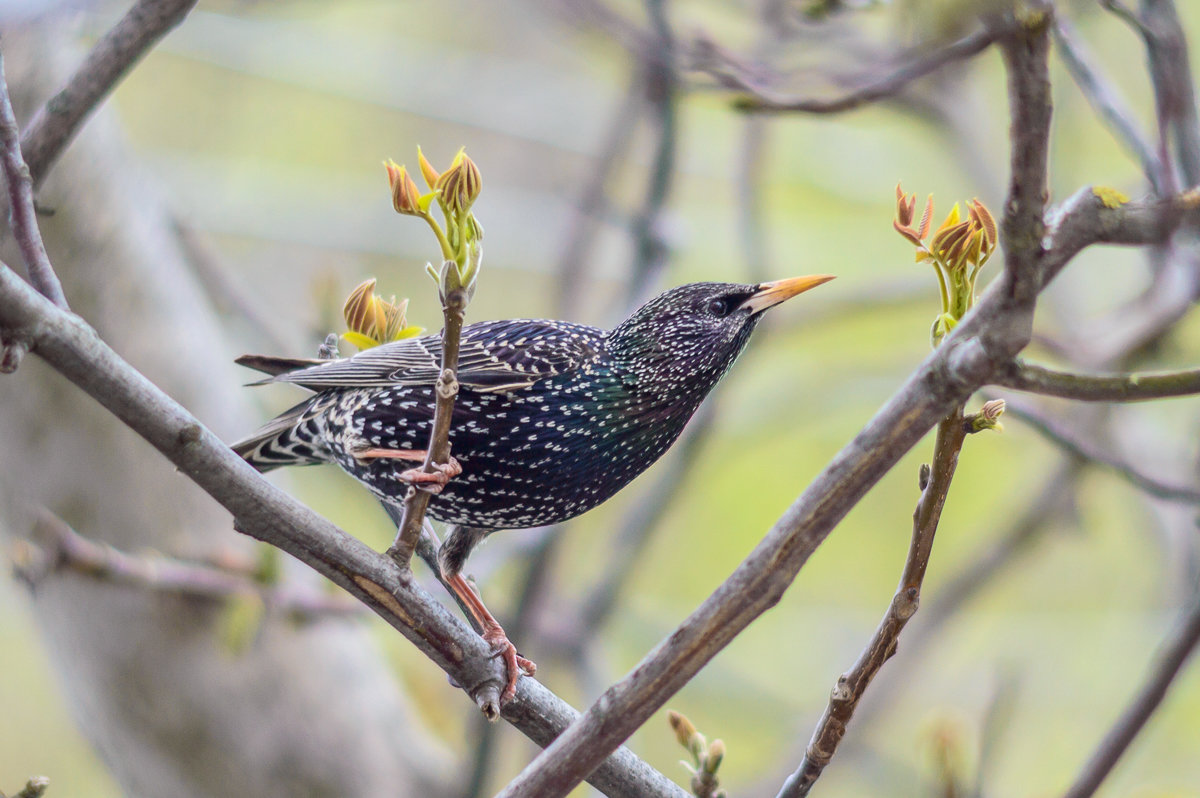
column 690, row 335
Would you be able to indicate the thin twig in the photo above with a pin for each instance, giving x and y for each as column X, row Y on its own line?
column 225, row 294
column 1083, row 446
column 22, row 213
column 454, row 307
column 113, row 56
column 265, row 512
column 662, row 94
column 853, row 683
column 1105, row 100
column 57, row 547
column 914, row 67
column 1136, row 387
column 585, row 221
column 1174, row 91
column 1176, row 649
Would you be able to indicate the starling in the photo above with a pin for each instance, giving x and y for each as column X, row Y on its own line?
column 552, row 418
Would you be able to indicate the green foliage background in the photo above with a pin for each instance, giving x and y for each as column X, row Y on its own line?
column 267, row 124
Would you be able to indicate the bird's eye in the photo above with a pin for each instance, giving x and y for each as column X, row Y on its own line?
column 719, row 308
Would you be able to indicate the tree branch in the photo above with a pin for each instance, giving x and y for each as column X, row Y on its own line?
column 1139, row 387
column 662, row 95
column 1080, row 446
column 454, row 305
column 1106, row 102
column 915, row 66
column 1176, row 649
column 263, row 511
column 53, row 127
column 22, row 213
column 56, row 546
column 853, row 683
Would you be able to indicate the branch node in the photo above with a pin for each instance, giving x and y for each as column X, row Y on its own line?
column 13, row 349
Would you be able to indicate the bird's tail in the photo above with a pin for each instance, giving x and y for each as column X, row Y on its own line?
column 286, row 440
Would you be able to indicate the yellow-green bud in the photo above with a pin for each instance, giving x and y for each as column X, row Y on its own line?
column 460, row 184
column 427, row 171
column 684, row 729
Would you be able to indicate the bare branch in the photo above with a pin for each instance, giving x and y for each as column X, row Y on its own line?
column 1175, row 651
column 1026, row 52
column 581, row 231
column 1104, row 99
column 53, row 127
column 1085, row 447
column 56, row 546
column 22, row 213
column 1170, row 75
column 263, row 511
column 454, row 305
column 1084, row 219
column 1138, row 387
column 662, row 95
column 935, row 487
column 915, row 66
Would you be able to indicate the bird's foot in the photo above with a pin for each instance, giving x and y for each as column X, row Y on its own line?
column 514, row 664
column 432, row 481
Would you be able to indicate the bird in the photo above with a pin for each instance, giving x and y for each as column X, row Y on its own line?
column 551, row 419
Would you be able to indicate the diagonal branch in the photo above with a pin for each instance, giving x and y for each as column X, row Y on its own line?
column 56, row 546
column 1178, row 646
column 1080, row 446
column 117, row 52
column 853, row 683
column 915, row 67
column 263, row 511
column 1104, row 99
column 22, row 213
column 1137, row 387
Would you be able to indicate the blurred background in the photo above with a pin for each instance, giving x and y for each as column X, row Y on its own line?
column 261, row 127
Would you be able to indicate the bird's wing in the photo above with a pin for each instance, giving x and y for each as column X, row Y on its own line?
column 493, row 356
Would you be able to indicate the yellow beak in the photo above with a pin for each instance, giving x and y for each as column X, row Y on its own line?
column 771, row 294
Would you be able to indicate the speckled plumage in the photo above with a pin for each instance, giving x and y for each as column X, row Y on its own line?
column 552, row 418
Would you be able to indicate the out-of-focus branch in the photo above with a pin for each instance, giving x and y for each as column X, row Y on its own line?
column 1176, row 649
column 935, row 487
column 662, row 94
column 55, row 546
column 22, row 214
column 1174, row 92
column 581, row 231
column 872, row 88
column 263, row 511
column 1137, row 387
column 1106, row 102
column 52, row 128
column 1081, row 446
column 226, row 295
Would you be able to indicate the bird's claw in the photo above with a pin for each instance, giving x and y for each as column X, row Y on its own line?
column 432, row 481
column 514, row 664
